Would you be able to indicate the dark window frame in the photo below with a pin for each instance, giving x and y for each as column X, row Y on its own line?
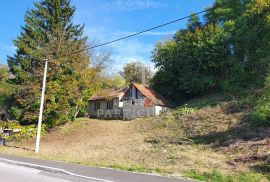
column 97, row 106
column 109, row 105
column 136, row 93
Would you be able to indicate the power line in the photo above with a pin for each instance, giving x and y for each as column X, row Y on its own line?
column 153, row 28
column 147, row 30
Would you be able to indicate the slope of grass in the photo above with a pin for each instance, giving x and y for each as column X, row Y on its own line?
column 206, row 139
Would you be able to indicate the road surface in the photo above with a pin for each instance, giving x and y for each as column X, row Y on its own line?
column 13, row 173
column 82, row 173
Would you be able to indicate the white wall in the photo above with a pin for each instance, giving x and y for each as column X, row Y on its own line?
column 160, row 109
column 132, row 111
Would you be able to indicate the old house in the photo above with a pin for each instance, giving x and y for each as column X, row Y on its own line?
column 136, row 101
column 106, row 104
column 140, row 100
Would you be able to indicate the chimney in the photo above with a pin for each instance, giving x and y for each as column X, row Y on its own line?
column 143, row 76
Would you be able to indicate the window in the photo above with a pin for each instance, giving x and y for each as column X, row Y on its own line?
column 97, row 106
column 109, row 104
column 136, row 93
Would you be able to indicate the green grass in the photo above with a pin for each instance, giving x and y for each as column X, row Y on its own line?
column 245, row 97
column 137, row 169
column 217, row 176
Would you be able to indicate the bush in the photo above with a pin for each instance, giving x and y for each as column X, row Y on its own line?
column 26, row 132
column 183, row 110
column 260, row 116
column 15, row 112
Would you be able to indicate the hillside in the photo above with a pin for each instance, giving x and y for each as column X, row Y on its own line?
column 206, row 139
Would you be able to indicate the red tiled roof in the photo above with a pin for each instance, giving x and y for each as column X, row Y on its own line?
column 151, row 94
column 107, row 94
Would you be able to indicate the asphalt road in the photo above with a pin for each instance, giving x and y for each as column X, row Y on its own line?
column 13, row 173
column 92, row 174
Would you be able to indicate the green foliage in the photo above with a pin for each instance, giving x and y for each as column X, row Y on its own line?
column 228, row 52
column 26, row 132
column 115, row 82
column 49, row 33
column 7, row 90
column 186, row 109
column 4, row 74
column 15, row 112
column 247, row 23
column 260, row 116
column 191, row 63
column 216, row 176
column 118, row 82
column 135, row 71
column 194, row 23
column 6, row 93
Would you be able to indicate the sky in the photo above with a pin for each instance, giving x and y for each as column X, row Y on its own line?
column 106, row 20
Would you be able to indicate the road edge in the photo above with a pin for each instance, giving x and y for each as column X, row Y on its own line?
column 48, row 169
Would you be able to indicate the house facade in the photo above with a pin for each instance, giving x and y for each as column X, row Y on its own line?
column 140, row 101
column 136, row 101
column 107, row 104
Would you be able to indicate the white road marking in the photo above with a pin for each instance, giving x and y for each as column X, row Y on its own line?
column 51, row 169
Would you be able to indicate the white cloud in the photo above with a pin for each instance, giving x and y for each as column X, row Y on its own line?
column 124, row 51
column 127, row 51
column 130, row 5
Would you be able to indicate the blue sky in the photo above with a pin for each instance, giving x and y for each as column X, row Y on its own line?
column 106, row 20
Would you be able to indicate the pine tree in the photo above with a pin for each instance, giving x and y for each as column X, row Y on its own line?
column 50, row 34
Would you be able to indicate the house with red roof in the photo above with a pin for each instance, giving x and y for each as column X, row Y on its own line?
column 136, row 101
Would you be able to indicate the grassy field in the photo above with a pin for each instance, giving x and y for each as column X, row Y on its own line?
column 206, row 139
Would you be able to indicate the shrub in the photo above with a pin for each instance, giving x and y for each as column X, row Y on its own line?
column 183, row 110
column 260, row 116
column 26, row 132
column 15, row 112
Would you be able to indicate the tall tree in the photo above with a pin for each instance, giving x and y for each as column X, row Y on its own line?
column 50, row 34
column 229, row 51
column 136, row 72
column 192, row 63
column 247, row 24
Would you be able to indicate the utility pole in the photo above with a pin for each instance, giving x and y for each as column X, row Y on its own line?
column 41, row 108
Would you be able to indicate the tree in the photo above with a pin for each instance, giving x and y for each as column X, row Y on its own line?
column 257, row 19
column 50, row 34
column 4, row 73
column 247, row 24
column 7, row 90
column 229, row 51
column 136, row 72
column 192, row 63
column 194, row 23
